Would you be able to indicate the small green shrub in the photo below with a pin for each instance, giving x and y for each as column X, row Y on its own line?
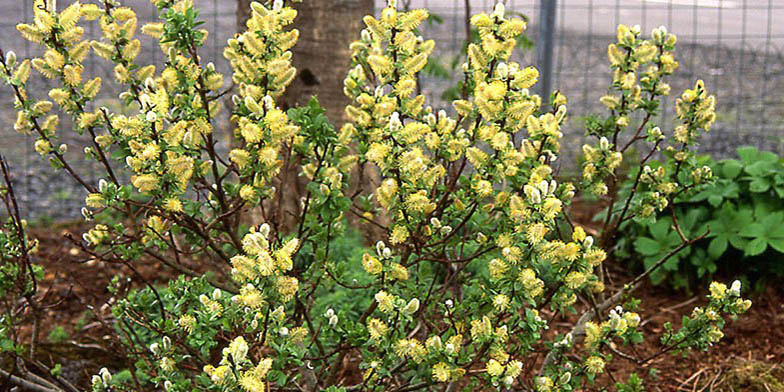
column 743, row 212
column 58, row 335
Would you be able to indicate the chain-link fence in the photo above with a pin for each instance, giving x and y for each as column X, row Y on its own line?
column 49, row 194
column 734, row 45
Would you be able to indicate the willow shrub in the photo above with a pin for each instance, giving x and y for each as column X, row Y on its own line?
column 479, row 254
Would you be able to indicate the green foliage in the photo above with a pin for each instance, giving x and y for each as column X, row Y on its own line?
column 58, row 335
column 634, row 384
column 744, row 214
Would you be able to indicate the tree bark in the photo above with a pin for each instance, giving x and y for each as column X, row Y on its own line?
column 322, row 56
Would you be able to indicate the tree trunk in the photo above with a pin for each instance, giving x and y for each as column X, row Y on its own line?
column 322, row 56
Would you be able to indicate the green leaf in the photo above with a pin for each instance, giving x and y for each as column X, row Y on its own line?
column 731, row 168
column 756, row 247
column 646, row 246
column 755, row 230
column 777, row 244
column 761, row 168
column 738, row 242
column 759, row 185
column 715, row 200
column 660, row 229
column 717, row 247
column 748, row 154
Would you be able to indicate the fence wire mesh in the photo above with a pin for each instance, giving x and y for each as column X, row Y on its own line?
column 734, row 45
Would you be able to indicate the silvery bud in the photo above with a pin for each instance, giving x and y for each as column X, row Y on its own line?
column 106, row 377
column 499, row 10
column 588, row 241
column 604, row 144
column 10, row 58
column 735, row 288
column 412, row 306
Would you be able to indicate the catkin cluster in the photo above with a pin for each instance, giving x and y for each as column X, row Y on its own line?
column 478, row 253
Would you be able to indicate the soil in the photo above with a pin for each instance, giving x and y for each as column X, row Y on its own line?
column 76, row 292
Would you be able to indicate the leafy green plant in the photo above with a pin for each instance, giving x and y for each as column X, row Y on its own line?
column 743, row 212
column 58, row 335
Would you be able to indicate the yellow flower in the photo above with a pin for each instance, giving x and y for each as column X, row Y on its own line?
column 441, row 372
column 173, row 204
column 371, row 264
column 251, row 383
column 481, row 327
column 578, row 235
column 514, row 368
column 531, row 283
column 287, row 286
column 592, row 334
column 570, row 251
column 95, row 200
column 187, row 322
column 497, row 268
column 386, row 301
column 251, row 297
column 483, row 188
column 247, row 192
column 42, row 146
column 594, row 365
column 399, row 272
column 419, row 203
column 595, row 256
column 535, row 233
column 718, row 290
column 399, row 235
column 575, row 280
column 154, row 30
column 476, row 156
column 495, row 368
column 145, row 183
column 501, row 302
column 377, row 329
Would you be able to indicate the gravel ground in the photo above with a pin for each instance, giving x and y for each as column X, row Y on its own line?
column 747, row 75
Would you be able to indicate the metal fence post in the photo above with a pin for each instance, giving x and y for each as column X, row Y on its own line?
column 544, row 48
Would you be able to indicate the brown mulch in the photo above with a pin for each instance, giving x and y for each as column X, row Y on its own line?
column 757, row 336
column 76, row 291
